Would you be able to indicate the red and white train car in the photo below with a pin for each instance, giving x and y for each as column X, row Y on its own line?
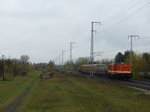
column 120, row 70
column 98, row 69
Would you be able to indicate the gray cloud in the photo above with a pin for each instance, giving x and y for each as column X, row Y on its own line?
column 42, row 29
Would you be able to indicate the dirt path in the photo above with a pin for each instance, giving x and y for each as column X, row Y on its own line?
column 13, row 106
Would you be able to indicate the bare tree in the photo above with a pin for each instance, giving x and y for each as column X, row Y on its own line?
column 24, row 58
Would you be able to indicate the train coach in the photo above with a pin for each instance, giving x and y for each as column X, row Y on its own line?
column 98, row 69
column 116, row 70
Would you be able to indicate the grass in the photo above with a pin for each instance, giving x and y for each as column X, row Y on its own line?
column 66, row 93
column 10, row 90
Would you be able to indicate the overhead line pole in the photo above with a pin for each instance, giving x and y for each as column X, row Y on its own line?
column 3, row 67
column 59, row 58
column 59, row 61
column 71, row 43
column 92, row 47
column 63, row 58
column 131, row 45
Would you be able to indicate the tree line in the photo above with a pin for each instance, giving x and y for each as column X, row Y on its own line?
column 9, row 68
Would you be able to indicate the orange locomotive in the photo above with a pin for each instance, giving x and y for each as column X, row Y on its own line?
column 118, row 70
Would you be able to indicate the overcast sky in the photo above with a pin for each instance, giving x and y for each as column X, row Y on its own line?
column 43, row 28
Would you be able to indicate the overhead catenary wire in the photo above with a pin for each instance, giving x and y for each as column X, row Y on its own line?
column 122, row 50
column 123, row 10
column 145, row 37
column 122, row 20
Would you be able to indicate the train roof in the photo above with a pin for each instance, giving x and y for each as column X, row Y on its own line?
column 93, row 64
column 118, row 63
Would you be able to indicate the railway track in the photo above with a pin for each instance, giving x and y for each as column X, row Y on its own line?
column 146, row 82
column 143, row 85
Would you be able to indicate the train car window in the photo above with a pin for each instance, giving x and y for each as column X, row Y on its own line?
column 101, row 67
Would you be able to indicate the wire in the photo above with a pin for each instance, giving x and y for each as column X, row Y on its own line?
column 127, row 17
column 122, row 10
column 144, row 37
